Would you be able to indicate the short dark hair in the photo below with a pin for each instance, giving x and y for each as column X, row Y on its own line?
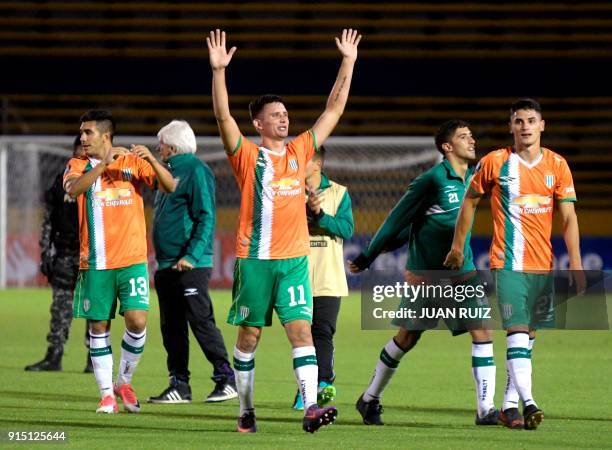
column 104, row 120
column 447, row 130
column 258, row 104
column 319, row 154
column 525, row 103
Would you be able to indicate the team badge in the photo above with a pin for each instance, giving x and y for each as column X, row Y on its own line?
column 86, row 305
column 244, row 312
column 127, row 174
column 506, row 311
column 550, row 181
column 293, row 164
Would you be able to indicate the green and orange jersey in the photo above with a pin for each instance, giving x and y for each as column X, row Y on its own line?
column 272, row 222
column 522, row 201
column 111, row 213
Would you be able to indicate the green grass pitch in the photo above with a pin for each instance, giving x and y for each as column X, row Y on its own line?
column 429, row 404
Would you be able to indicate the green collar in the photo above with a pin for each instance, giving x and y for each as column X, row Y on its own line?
column 181, row 158
column 324, row 182
column 452, row 173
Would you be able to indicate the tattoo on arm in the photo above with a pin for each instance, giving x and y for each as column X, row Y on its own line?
column 340, row 89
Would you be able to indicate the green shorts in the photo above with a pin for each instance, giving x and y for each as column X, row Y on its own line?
column 525, row 298
column 96, row 291
column 263, row 285
column 466, row 308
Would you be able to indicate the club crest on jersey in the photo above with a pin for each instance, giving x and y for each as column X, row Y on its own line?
column 127, row 174
column 506, row 311
column 244, row 312
column 293, row 164
column 549, row 180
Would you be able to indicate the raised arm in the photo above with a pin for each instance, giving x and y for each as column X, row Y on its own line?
column 455, row 257
column 347, row 45
column 219, row 59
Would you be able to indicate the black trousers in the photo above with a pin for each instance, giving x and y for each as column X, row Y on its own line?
column 183, row 299
column 324, row 318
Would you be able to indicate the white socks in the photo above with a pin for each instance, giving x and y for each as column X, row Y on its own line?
column 306, row 374
column 386, row 366
column 131, row 349
column 518, row 363
column 101, row 355
column 244, row 371
column 483, row 369
column 511, row 395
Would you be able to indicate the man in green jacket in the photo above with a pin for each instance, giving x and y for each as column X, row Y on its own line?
column 425, row 218
column 183, row 236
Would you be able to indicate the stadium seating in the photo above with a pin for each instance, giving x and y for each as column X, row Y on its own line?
column 164, row 32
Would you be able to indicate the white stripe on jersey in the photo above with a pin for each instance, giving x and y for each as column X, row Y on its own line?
column 267, row 209
column 518, row 244
column 437, row 209
column 98, row 220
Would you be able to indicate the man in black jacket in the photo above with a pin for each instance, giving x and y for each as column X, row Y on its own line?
column 59, row 246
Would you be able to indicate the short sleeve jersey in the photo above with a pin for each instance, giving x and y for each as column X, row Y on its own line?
column 112, row 226
column 272, row 223
column 522, row 199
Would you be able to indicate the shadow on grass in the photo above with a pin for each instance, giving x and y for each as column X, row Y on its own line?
column 58, row 397
column 429, row 409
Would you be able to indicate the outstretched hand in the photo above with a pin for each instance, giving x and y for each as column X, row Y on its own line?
column 348, row 42
column 217, row 53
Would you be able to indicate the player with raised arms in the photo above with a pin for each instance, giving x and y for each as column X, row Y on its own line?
column 272, row 244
